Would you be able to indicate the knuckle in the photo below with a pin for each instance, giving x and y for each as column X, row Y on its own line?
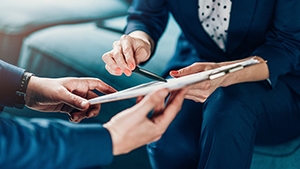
column 106, row 55
column 143, row 52
column 206, row 85
column 194, row 64
column 60, row 91
column 123, row 37
column 116, row 43
column 75, row 99
column 184, row 70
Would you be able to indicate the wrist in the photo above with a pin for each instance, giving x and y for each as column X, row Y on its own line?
column 21, row 91
column 115, row 138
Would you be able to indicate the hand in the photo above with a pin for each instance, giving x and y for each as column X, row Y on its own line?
column 67, row 95
column 128, row 52
column 199, row 92
column 132, row 128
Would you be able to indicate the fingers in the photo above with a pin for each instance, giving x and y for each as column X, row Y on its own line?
column 111, row 66
column 186, row 71
column 128, row 51
column 125, row 55
column 93, row 111
column 99, row 85
column 138, row 99
column 194, row 68
column 77, row 116
column 199, row 92
column 75, row 101
column 151, row 101
column 121, row 58
column 75, row 93
column 172, row 108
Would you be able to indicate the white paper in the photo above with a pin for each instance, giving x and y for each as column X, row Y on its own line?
column 171, row 84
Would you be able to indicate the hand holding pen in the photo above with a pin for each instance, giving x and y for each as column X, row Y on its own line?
column 127, row 53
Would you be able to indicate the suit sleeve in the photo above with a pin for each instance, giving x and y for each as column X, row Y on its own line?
column 149, row 16
column 10, row 77
column 41, row 143
column 282, row 46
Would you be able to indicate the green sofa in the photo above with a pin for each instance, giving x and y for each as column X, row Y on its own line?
column 20, row 18
column 76, row 50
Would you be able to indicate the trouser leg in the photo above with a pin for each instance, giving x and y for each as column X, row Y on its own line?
column 236, row 117
column 221, row 133
column 178, row 147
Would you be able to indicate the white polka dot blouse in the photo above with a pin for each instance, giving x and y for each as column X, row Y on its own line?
column 214, row 16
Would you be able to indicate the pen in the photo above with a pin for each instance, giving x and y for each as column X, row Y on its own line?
column 149, row 74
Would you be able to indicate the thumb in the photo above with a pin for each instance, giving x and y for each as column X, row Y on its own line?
column 151, row 100
column 172, row 108
column 194, row 68
column 76, row 102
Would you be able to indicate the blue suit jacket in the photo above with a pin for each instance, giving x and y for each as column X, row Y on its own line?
column 267, row 28
column 42, row 143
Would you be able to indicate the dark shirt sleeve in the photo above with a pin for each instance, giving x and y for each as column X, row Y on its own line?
column 48, row 144
column 150, row 17
column 10, row 77
column 282, row 46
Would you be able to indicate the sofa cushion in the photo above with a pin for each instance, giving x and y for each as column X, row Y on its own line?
column 282, row 156
column 20, row 17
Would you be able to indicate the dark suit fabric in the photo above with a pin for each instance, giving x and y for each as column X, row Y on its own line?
column 45, row 143
column 221, row 132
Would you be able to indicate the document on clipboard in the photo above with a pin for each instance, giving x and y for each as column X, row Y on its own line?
column 173, row 83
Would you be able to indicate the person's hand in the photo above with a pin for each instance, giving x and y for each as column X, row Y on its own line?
column 199, row 92
column 127, row 52
column 132, row 128
column 67, row 95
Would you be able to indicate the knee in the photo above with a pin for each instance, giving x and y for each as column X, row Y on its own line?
column 173, row 153
column 170, row 144
column 224, row 110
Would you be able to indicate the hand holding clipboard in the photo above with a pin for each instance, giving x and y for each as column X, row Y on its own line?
column 173, row 83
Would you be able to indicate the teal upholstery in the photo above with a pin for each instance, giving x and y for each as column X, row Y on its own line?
column 76, row 50
column 20, row 18
column 282, row 156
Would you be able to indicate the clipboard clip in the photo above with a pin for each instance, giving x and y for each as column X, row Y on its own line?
column 224, row 72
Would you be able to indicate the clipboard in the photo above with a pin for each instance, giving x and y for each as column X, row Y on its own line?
column 172, row 83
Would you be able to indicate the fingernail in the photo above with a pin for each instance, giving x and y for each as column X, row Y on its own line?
column 131, row 66
column 127, row 72
column 174, row 72
column 74, row 118
column 84, row 103
column 90, row 115
column 118, row 71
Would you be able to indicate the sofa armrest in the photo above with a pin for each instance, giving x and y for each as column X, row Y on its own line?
column 18, row 18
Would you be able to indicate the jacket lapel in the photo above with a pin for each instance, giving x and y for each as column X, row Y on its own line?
column 241, row 15
column 189, row 9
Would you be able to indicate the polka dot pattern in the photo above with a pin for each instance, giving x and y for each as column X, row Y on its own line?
column 214, row 16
